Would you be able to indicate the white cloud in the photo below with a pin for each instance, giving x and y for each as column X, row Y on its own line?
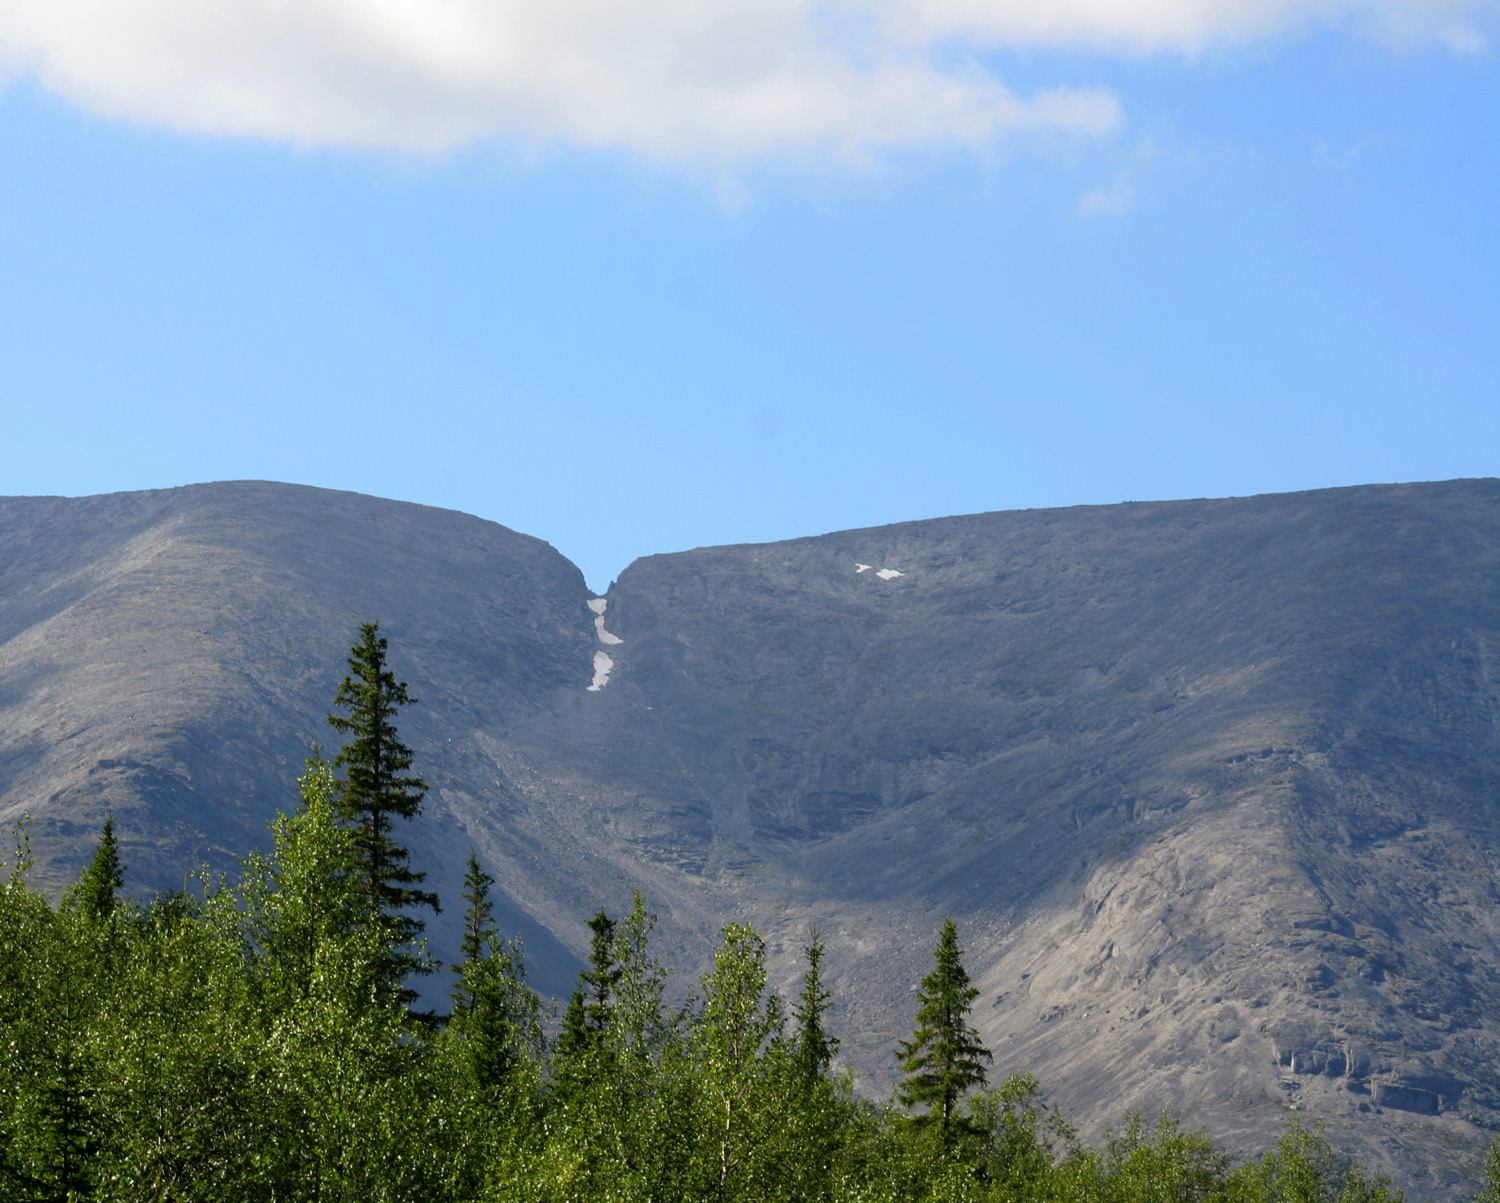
column 1142, row 26
column 715, row 82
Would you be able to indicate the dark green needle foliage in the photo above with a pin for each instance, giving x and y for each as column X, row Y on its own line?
column 478, row 929
column 496, row 1017
column 944, row 1058
column 500, row 1026
column 573, row 1040
column 592, row 1004
column 602, row 975
column 375, row 790
column 66, row 1134
column 99, row 887
column 815, row 1048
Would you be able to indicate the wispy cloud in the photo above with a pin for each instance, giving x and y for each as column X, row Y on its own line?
column 701, row 82
column 1114, row 199
column 1184, row 26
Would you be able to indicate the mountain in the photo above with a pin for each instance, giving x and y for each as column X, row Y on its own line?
column 1209, row 786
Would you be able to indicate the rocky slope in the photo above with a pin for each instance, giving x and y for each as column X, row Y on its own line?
column 1209, row 786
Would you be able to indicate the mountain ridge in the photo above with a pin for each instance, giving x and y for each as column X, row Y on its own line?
column 1207, row 784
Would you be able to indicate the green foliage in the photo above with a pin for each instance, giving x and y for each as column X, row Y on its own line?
column 99, row 888
column 376, row 787
column 642, row 1029
column 1490, row 1191
column 478, row 930
column 737, row 1022
column 305, row 905
column 1019, row 1139
column 236, row 1043
column 243, row 1041
column 601, row 977
column 943, row 1058
column 815, row 1048
column 585, row 1050
column 1163, row 1164
column 1305, row 1168
column 501, row 1027
column 582, row 1047
column 54, row 1119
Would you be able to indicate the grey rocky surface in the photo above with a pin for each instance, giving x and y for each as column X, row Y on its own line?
column 1210, row 787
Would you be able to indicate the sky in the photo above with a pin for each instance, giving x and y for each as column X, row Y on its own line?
column 635, row 278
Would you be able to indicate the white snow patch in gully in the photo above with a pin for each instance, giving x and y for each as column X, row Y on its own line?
column 603, row 664
column 602, row 668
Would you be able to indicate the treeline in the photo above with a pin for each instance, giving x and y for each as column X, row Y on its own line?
column 258, row 1038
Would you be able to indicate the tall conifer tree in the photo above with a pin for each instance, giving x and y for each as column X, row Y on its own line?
column 99, row 887
column 478, row 930
column 943, row 1057
column 815, row 1048
column 602, row 975
column 376, row 789
column 593, row 1003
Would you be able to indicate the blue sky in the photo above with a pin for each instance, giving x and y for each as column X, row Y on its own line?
column 735, row 271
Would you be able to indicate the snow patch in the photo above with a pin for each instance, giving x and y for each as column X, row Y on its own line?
column 889, row 574
column 603, row 665
column 598, row 605
column 858, row 568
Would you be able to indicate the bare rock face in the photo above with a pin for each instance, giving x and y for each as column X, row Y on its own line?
column 1210, row 787
column 172, row 656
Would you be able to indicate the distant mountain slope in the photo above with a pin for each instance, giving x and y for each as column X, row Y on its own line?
column 1209, row 786
column 172, row 655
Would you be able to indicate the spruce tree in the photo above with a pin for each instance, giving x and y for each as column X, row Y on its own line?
column 496, row 1015
column 69, row 1126
column 602, row 975
column 814, row 1048
column 573, row 1039
column 592, row 1004
column 499, row 1024
column 375, row 790
column 376, row 787
column 943, row 1057
column 98, row 889
column 478, row 930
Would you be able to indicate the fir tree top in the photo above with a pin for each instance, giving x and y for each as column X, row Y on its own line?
column 101, row 882
column 815, row 1048
column 943, row 1057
